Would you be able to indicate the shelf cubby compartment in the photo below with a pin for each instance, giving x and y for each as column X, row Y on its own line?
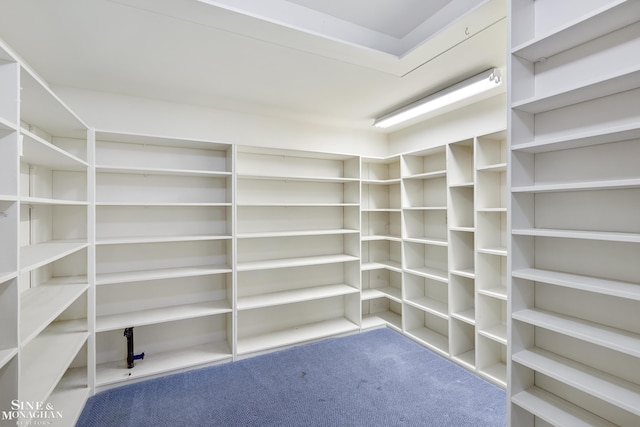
column 425, row 164
column 461, row 208
column 460, row 163
column 462, row 253
column 491, row 152
column 491, row 233
column 381, row 254
column 169, row 347
column 426, row 226
column 428, row 329
column 287, row 193
column 385, row 197
column 71, row 393
column 275, row 287
column 381, row 311
column 492, row 318
column 491, row 360
column 462, row 337
column 377, row 224
column 380, row 170
column 491, row 275
column 491, row 194
column 120, row 263
column 426, row 260
column 425, row 193
column 382, row 283
column 426, row 294
column 462, row 299
column 267, row 328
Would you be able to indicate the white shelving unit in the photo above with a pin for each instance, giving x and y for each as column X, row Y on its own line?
column 298, row 232
column 164, row 254
column 574, row 329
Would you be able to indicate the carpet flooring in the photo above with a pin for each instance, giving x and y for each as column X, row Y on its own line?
column 375, row 378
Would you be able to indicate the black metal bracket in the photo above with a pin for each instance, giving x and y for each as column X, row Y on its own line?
column 128, row 333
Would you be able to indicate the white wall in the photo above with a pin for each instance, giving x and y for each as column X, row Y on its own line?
column 113, row 112
column 481, row 118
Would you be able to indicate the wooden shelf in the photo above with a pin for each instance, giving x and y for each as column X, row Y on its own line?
column 41, row 305
column 386, row 264
column 427, row 175
column 384, row 318
column 613, row 338
column 424, row 208
column 578, row 234
column 381, row 237
column 49, row 201
column 386, row 292
column 294, row 296
column 158, row 239
column 162, row 363
column 8, row 275
column 463, row 229
column 164, row 204
column 468, row 358
column 299, row 334
column 469, row 184
column 428, row 241
column 37, row 255
column 499, row 292
column 430, row 273
column 465, row 272
column 617, row 81
column 613, row 390
column 6, row 355
column 37, row 151
column 431, row 339
column 496, row 372
column 296, row 233
column 613, row 184
column 500, row 251
column 46, row 358
column 163, row 273
column 295, row 262
column 497, row 333
column 498, row 167
column 599, row 22
column 161, row 315
column 162, row 171
column 6, row 126
column 584, row 283
column 308, row 205
column 299, row 178
column 430, row 305
column 467, row 316
column 380, row 181
column 555, row 410
column 70, row 396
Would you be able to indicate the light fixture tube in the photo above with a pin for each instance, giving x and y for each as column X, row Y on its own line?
column 477, row 84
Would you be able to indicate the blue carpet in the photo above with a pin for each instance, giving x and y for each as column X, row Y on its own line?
column 376, row 378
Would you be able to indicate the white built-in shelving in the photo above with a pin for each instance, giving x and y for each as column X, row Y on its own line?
column 298, row 253
column 574, row 227
column 164, row 253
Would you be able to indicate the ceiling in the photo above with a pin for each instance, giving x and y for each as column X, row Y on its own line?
column 335, row 62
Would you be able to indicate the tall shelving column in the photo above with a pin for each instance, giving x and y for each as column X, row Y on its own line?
column 491, row 256
column 298, row 234
column 53, row 257
column 574, row 352
column 9, row 213
column 462, row 268
column 425, row 241
column 164, row 254
column 381, row 243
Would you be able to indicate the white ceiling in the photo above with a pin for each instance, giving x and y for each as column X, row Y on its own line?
column 316, row 60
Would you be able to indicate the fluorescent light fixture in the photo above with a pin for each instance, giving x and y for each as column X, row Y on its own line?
column 473, row 86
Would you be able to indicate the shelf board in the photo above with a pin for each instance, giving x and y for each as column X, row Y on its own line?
column 166, row 204
column 162, row 273
column 612, row 184
column 386, row 292
column 294, row 296
column 386, row 264
column 158, row 239
column 41, row 305
column 462, row 228
column 6, row 355
column 430, row 338
column 467, row 316
column 611, row 389
column 298, row 178
column 597, row 23
column 556, row 410
column 49, row 201
column 370, row 238
column 499, row 250
column 436, row 241
column 497, row 167
column 295, row 233
column 468, row 358
column 295, row 262
column 383, row 318
column 496, row 372
column 297, row 335
column 433, row 306
column 46, row 358
column 306, row 205
column 161, row 171
column 578, row 234
column 35, row 256
column 613, row 338
column 161, row 315
column 161, row 363
column 389, row 181
column 499, row 292
column 6, row 126
column 462, row 185
column 70, row 396
column 496, row 332
column 364, row 209
column 617, row 81
column 427, row 175
column 425, row 208
column 581, row 139
column 8, row 198
column 465, row 272
column 8, row 275
column 430, row 273
column 37, row 151
column 491, row 209
column 591, row 284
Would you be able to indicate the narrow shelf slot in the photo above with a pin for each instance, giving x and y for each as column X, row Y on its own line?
column 293, row 296
column 431, row 273
column 384, row 318
column 388, row 264
column 430, row 305
column 497, row 333
column 465, row 272
column 499, row 292
column 37, row 255
column 468, row 358
column 431, row 339
column 467, row 316
column 70, row 396
column 37, row 151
